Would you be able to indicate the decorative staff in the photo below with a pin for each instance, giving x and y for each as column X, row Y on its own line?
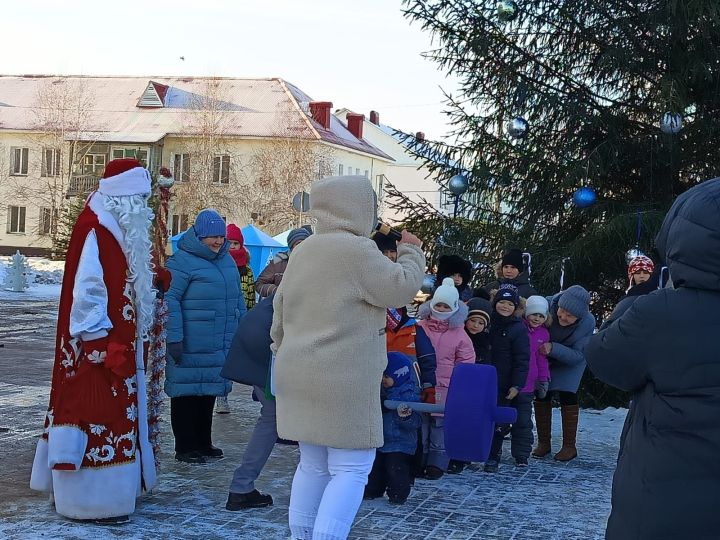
column 157, row 351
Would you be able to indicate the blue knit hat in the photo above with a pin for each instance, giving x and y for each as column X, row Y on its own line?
column 399, row 368
column 507, row 292
column 209, row 223
column 575, row 300
column 296, row 235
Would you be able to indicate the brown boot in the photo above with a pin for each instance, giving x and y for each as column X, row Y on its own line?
column 570, row 415
column 543, row 421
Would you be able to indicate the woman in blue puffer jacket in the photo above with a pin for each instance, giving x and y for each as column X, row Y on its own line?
column 205, row 305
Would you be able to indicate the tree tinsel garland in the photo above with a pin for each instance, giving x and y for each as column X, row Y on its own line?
column 157, row 351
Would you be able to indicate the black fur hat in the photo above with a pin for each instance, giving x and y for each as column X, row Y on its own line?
column 454, row 264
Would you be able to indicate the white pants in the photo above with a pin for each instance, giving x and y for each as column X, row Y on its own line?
column 327, row 491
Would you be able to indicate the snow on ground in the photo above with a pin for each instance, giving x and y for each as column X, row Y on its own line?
column 46, row 279
column 547, row 500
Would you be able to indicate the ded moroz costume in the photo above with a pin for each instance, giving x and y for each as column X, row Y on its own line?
column 94, row 455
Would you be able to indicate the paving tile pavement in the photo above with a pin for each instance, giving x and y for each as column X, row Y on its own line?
column 546, row 500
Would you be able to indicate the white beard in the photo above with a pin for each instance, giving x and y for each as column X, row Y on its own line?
column 135, row 219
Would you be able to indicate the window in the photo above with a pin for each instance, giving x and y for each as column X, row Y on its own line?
column 93, row 164
column 16, row 219
column 48, row 221
column 137, row 153
column 51, row 162
column 221, row 169
column 340, row 169
column 181, row 168
column 19, row 161
column 179, row 223
column 357, row 171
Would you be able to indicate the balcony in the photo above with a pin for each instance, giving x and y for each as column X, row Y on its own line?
column 82, row 185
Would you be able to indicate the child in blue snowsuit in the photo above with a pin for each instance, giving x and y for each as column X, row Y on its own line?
column 391, row 471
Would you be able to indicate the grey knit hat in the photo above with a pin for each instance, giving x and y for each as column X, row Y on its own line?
column 575, row 300
column 296, row 235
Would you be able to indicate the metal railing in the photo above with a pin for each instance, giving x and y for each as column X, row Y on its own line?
column 82, row 185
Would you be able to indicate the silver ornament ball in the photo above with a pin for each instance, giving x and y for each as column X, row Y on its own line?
column 507, row 10
column 458, row 184
column 518, row 127
column 632, row 254
column 671, row 123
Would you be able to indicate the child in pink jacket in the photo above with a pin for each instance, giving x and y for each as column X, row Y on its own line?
column 536, row 319
column 443, row 319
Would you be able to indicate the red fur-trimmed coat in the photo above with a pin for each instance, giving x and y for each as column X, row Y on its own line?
column 97, row 415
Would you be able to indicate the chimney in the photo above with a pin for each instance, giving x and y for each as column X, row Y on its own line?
column 320, row 111
column 355, row 124
column 420, row 136
column 375, row 117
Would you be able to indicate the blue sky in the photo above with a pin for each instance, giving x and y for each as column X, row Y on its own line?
column 360, row 54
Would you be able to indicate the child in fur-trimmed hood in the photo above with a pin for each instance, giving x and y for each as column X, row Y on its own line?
column 443, row 319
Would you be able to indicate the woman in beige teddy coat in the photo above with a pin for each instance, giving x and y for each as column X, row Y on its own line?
column 328, row 337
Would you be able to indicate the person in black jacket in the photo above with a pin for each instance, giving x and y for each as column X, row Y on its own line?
column 477, row 326
column 511, row 271
column 664, row 350
column 460, row 270
column 248, row 362
column 510, row 354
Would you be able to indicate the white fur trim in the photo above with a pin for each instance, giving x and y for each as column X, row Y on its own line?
column 145, row 451
column 94, row 493
column 133, row 182
column 66, row 444
column 40, row 477
column 106, row 219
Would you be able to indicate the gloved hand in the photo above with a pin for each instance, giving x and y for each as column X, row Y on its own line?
column 175, row 350
column 404, row 410
column 541, row 389
column 162, row 279
column 428, row 395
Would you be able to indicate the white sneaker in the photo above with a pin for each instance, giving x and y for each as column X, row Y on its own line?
column 222, row 406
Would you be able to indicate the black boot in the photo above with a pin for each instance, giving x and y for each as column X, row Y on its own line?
column 242, row 501
column 194, row 458
column 211, row 451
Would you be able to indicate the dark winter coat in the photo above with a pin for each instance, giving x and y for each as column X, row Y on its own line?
column 510, row 352
column 269, row 279
column 481, row 344
column 665, row 349
column 248, row 360
column 633, row 294
column 205, row 305
column 400, row 434
column 567, row 357
column 522, row 282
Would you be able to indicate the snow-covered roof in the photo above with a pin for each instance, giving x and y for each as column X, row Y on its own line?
column 145, row 109
column 417, row 146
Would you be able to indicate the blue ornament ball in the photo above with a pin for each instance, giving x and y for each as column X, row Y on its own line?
column 585, row 197
column 458, row 184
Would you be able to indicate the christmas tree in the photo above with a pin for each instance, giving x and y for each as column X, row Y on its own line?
column 619, row 97
column 18, row 274
column 66, row 223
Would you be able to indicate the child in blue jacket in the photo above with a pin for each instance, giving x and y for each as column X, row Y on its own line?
column 391, row 471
